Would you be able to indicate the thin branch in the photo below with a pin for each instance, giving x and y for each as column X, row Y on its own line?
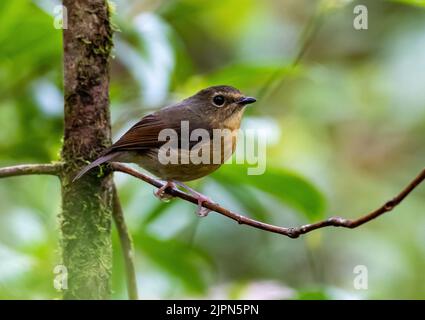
column 289, row 232
column 308, row 35
column 126, row 246
column 27, row 169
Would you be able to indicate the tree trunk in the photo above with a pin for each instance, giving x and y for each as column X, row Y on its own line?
column 86, row 204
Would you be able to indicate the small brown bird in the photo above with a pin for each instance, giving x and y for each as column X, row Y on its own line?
column 211, row 110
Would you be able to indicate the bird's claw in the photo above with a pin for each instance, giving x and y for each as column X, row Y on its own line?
column 202, row 211
column 162, row 195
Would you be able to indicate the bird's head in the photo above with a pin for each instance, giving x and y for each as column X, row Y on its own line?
column 221, row 105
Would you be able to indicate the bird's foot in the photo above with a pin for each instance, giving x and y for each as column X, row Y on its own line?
column 200, row 211
column 162, row 195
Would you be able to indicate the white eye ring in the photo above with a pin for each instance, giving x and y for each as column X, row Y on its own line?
column 219, row 100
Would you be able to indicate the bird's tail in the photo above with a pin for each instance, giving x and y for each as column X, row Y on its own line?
column 95, row 163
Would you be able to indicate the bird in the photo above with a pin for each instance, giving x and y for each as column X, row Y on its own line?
column 194, row 122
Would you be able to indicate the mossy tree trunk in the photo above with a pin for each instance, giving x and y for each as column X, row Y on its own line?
column 87, row 203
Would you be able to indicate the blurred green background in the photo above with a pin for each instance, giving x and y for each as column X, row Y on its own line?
column 345, row 128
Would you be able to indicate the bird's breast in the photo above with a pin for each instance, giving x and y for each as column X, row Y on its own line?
column 200, row 159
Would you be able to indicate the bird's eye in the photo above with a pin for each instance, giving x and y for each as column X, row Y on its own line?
column 218, row 100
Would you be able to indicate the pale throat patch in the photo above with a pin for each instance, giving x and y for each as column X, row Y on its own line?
column 234, row 121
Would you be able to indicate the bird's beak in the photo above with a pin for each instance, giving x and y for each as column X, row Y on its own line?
column 247, row 100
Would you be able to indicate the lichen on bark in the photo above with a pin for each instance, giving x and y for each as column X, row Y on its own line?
column 85, row 221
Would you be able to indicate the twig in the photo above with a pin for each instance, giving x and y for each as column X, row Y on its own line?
column 289, row 232
column 126, row 246
column 27, row 169
column 310, row 31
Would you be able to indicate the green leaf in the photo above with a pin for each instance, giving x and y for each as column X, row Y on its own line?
column 158, row 209
column 247, row 199
column 242, row 76
column 28, row 39
column 313, row 295
column 176, row 258
column 418, row 3
column 286, row 186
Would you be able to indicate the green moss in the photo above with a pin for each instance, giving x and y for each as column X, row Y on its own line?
column 86, row 216
column 86, row 241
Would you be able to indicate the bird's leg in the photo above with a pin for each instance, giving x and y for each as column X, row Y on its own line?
column 200, row 211
column 160, row 193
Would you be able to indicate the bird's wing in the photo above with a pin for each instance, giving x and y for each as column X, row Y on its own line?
column 143, row 135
